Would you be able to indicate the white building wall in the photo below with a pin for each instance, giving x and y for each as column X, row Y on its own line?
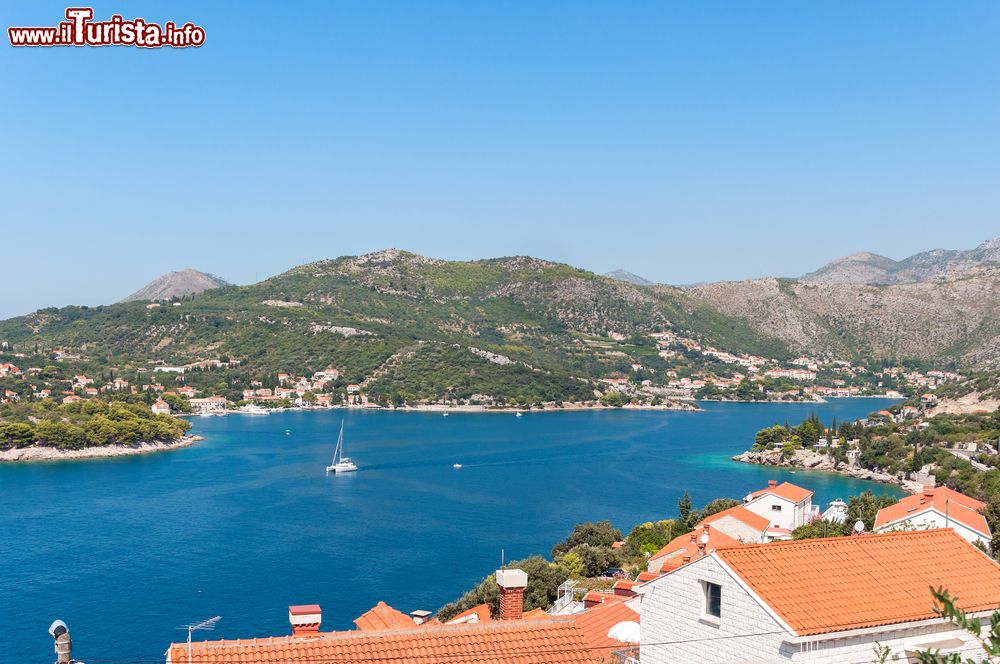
column 671, row 609
column 861, row 649
column 934, row 519
column 674, row 632
column 787, row 517
column 737, row 530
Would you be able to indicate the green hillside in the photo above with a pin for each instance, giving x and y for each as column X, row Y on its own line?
column 549, row 322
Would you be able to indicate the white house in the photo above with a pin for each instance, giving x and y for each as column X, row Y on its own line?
column 214, row 404
column 160, row 407
column 823, row 601
column 785, row 506
column 937, row 508
column 739, row 523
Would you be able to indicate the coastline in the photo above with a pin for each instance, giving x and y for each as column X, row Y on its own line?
column 681, row 406
column 808, row 460
column 39, row 453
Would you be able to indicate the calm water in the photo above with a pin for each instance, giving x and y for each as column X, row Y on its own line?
column 246, row 523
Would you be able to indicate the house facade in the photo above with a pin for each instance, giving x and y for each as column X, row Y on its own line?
column 824, row 601
column 785, row 506
column 937, row 508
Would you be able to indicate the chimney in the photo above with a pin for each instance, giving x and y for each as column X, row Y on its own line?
column 420, row 616
column 772, row 483
column 928, row 496
column 63, row 644
column 686, row 559
column 305, row 619
column 512, row 583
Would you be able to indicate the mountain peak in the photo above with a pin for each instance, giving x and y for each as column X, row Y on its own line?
column 867, row 268
column 177, row 284
column 625, row 275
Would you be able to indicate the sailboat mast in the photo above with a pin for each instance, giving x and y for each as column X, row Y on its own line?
column 339, row 452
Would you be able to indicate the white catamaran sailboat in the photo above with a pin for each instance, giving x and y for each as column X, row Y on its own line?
column 341, row 464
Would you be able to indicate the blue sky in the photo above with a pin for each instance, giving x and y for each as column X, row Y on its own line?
column 685, row 141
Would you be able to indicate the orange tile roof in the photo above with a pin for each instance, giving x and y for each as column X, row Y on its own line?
column 842, row 583
column 956, row 505
column 382, row 617
column 785, row 490
column 556, row 641
column 643, row 577
column 478, row 613
column 596, row 622
column 683, row 546
column 740, row 513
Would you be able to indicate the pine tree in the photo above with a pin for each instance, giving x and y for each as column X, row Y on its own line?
column 684, row 507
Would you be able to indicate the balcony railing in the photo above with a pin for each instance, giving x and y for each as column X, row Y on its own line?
column 625, row 656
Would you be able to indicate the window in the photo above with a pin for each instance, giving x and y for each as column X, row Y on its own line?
column 713, row 600
column 775, row 508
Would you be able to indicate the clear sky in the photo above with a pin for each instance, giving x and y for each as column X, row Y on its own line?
column 684, row 141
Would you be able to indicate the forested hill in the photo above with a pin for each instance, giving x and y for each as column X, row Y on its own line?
column 396, row 316
column 545, row 329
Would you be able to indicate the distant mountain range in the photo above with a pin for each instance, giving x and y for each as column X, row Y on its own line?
column 625, row 275
column 176, row 284
column 430, row 326
column 866, row 268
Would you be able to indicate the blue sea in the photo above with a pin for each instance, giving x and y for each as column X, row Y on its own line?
column 247, row 522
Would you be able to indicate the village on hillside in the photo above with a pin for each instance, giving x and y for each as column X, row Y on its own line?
column 662, row 369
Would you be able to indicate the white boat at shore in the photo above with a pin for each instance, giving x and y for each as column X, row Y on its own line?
column 341, row 464
column 253, row 409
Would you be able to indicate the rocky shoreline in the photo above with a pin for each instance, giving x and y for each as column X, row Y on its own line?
column 39, row 453
column 809, row 460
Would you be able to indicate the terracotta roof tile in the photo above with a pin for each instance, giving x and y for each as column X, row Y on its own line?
column 556, row 641
column 785, row 490
column 740, row 513
column 841, row 583
column 956, row 505
column 382, row 617
column 683, row 546
column 479, row 613
column 596, row 622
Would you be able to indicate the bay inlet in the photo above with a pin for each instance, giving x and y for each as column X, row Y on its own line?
column 247, row 522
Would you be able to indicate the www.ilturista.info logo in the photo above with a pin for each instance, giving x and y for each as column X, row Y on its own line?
column 81, row 30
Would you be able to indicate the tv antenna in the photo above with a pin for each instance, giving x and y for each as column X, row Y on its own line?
column 208, row 625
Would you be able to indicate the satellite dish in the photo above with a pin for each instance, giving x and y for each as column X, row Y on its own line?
column 748, row 498
column 859, row 527
column 56, row 625
column 704, row 538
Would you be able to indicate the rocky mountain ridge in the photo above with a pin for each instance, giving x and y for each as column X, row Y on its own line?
column 177, row 284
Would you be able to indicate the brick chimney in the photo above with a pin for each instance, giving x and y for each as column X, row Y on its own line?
column 772, row 483
column 305, row 619
column 512, row 583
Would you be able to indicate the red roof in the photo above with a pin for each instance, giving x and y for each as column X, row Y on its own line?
column 646, row 576
column 786, row 490
column 943, row 500
column 819, row 586
column 382, row 617
column 478, row 613
column 556, row 641
column 673, row 553
column 596, row 622
column 740, row 513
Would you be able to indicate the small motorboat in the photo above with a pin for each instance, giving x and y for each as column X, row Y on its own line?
column 456, row 465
